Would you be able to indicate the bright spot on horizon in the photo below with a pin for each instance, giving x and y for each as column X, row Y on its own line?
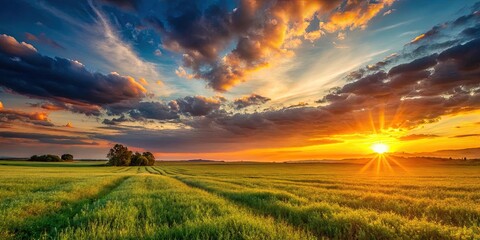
column 380, row 148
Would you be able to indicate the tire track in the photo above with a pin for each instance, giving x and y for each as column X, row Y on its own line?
column 35, row 227
column 238, row 205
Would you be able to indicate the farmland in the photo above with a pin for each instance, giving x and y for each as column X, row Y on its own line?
column 186, row 200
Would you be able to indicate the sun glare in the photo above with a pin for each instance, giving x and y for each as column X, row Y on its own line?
column 380, row 148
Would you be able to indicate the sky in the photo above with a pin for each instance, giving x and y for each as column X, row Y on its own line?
column 263, row 80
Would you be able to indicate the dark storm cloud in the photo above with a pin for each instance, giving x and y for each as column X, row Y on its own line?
column 252, row 100
column 47, row 138
column 24, row 71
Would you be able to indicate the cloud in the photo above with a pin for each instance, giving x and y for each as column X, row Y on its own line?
column 189, row 106
column 417, row 137
column 197, row 105
column 10, row 46
column 437, row 39
column 47, row 138
column 120, row 55
column 388, row 12
column 115, row 121
column 65, row 83
column 431, row 87
column 354, row 14
column 77, row 107
column 43, row 39
column 246, row 101
column 256, row 33
column 181, row 72
column 152, row 110
column 466, row 135
column 442, row 29
column 429, row 34
column 36, row 118
column 124, row 4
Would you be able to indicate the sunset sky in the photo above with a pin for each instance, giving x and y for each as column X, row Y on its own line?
column 238, row 80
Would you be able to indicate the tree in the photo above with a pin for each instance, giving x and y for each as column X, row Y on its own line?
column 119, row 155
column 138, row 160
column 45, row 158
column 67, row 157
column 149, row 156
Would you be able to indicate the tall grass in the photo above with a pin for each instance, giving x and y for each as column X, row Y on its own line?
column 237, row 201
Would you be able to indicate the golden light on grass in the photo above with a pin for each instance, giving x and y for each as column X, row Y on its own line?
column 380, row 148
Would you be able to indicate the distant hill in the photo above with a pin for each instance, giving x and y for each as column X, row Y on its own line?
column 203, row 160
column 469, row 153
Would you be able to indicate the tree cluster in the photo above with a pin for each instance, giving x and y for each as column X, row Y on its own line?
column 119, row 155
column 51, row 158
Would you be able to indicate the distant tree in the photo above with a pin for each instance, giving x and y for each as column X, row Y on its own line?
column 45, row 158
column 150, row 158
column 119, row 155
column 67, row 157
column 138, row 160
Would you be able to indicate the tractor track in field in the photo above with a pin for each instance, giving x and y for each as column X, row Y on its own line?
column 123, row 169
column 281, row 216
column 247, row 208
column 251, row 209
column 154, row 170
column 54, row 221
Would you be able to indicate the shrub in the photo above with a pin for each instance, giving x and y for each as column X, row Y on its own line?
column 67, row 157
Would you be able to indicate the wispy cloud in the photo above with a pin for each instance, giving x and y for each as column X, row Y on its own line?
column 119, row 54
column 394, row 25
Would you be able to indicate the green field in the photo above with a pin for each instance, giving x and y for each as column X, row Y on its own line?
column 174, row 200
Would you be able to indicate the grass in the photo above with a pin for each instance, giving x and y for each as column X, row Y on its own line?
column 83, row 200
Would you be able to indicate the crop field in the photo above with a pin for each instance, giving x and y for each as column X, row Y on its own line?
column 195, row 200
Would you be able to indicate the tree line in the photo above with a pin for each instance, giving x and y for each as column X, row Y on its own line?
column 52, row 158
column 118, row 155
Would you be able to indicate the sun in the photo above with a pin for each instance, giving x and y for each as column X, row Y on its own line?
column 380, row 148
